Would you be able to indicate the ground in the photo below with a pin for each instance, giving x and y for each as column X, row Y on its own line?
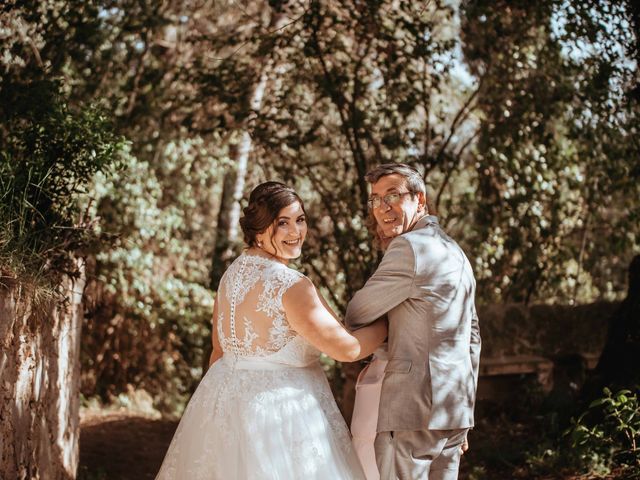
column 123, row 445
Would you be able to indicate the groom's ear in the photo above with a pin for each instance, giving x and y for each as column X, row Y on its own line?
column 422, row 202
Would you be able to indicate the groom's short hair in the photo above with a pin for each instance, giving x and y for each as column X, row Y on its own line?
column 415, row 183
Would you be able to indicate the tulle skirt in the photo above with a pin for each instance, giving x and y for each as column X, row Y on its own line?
column 255, row 420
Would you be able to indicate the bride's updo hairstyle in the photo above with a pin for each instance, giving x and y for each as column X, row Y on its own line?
column 265, row 203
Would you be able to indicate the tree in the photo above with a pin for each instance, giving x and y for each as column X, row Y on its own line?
column 227, row 238
column 555, row 148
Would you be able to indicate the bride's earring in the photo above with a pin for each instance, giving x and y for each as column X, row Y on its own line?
column 259, row 243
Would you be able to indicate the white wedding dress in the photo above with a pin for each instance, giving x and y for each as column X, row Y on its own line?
column 265, row 410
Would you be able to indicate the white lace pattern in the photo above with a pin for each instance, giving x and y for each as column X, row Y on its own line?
column 274, row 279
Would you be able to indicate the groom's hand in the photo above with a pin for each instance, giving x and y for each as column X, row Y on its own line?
column 465, row 446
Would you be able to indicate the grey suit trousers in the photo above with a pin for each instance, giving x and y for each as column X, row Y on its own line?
column 420, row 454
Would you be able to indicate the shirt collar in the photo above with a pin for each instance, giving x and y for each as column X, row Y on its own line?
column 424, row 221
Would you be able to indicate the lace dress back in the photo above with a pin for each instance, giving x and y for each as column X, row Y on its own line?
column 251, row 319
column 265, row 409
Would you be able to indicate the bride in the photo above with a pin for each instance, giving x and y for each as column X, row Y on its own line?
column 264, row 409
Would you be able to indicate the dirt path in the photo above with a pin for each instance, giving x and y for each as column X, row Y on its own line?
column 122, row 446
column 131, row 446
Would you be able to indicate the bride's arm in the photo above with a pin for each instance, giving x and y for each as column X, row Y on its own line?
column 310, row 317
column 216, row 354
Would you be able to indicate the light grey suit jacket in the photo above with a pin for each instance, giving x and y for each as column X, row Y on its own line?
column 426, row 287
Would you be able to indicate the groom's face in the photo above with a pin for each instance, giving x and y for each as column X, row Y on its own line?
column 396, row 218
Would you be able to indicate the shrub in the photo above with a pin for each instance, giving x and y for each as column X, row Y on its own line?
column 606, row 436
column 48, row 154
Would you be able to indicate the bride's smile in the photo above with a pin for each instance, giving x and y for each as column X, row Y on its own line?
column 285, row 237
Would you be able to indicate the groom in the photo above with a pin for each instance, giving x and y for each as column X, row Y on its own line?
column 425, row 285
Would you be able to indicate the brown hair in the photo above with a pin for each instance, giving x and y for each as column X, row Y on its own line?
column 265, row 203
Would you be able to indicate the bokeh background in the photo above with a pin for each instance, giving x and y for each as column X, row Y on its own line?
column 131, row 132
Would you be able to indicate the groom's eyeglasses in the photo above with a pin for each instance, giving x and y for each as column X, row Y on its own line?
column 388, row 199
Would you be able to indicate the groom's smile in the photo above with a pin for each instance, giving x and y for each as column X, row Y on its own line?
column 395, row 208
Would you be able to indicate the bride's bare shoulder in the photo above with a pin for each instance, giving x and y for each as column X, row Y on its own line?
column 301, row 294
column 302, row 285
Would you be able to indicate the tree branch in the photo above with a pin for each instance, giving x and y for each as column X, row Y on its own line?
column 462, row 114
column 453, row 167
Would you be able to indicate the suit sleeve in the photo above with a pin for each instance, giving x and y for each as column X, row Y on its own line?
column 389, row 286
column 474, row 349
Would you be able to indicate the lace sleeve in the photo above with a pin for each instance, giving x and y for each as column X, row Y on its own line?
column 252, row 320
column 276, row 283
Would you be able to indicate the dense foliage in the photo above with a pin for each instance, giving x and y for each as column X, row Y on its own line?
column 608, row 433
column 556, row 156
column 50, row 154
column 50, row 148
column 523, row 117
column 150, row 308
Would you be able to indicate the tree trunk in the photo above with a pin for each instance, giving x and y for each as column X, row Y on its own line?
column 619, row 363
column 228, row 224
column 39, row 381
column 233, row 188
